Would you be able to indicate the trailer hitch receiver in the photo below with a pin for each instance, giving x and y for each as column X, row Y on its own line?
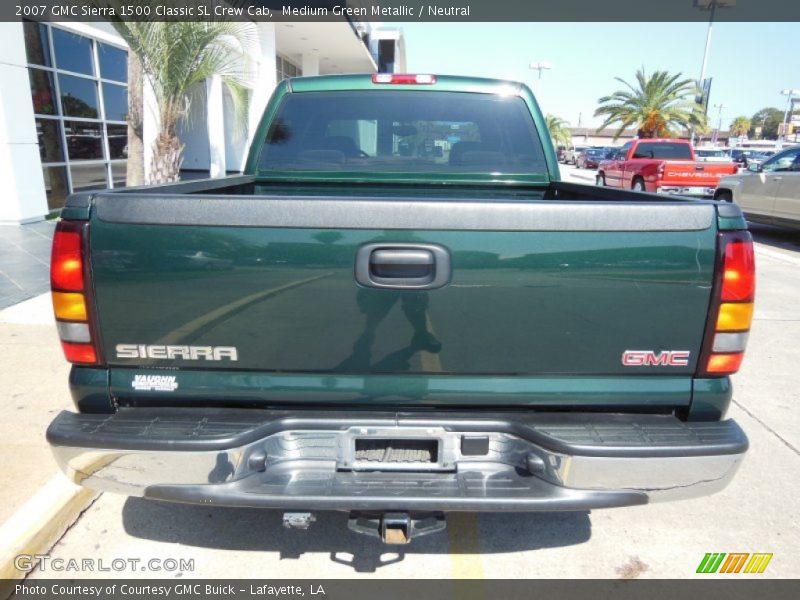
column 396, row 527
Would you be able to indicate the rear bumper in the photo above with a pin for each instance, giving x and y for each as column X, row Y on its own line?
column 307, row 460
column 699, row 191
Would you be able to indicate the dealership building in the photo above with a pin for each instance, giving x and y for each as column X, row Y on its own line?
column 63, row 103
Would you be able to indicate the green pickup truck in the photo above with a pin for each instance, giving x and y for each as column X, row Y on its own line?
column 399, row 310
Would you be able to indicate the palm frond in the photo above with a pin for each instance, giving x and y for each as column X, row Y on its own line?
column 655, row 104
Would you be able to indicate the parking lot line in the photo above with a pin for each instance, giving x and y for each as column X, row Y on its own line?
column 465, row 548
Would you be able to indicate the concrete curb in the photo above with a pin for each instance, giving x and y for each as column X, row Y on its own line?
column 39, row 524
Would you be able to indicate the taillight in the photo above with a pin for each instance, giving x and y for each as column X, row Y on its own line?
column 71, row 289
column 403, row 78
column 731, row 312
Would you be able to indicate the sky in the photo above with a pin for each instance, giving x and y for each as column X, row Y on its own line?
column 750, row 63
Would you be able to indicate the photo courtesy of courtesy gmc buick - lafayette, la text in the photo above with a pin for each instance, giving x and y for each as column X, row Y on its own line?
column 400, row 311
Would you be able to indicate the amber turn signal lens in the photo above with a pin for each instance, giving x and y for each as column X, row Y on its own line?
column 724, row 364
column 69, row 306
column 735, row 316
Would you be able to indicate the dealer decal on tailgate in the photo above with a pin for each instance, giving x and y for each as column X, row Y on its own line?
column 154, row 383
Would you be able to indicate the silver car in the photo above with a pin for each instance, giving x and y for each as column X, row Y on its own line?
column 768, row 192
column 571, row 154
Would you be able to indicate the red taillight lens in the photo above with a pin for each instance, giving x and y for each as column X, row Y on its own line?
column 71, row 292
column 739, row 272
column 66, row 263
column 403, row 78
column 79, row 353
column 724, row 364
column 731, row 312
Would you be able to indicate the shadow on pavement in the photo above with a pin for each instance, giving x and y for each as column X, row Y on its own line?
column 777, row 237
column 262, row 530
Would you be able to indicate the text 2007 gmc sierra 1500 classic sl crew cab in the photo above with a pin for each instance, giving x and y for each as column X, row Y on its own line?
column 400, row 311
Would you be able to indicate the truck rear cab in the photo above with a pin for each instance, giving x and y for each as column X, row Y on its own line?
column 366, row 323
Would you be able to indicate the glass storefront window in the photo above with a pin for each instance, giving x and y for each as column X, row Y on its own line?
column 73, row 52
column 119, row 173
column 117, row 141
column 115, row 98
column 37, row 45
column 113, row 63
column 286, row 69
column 78, row 97
column 43, row 92
column 84, row 140
column 89, row 177
column 48, row 132
column 81, row 130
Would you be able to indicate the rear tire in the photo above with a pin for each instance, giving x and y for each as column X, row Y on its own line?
column 724, row 196
column 638, row 185
column 600, row 180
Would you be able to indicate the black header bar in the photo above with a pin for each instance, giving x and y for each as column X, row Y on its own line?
column 405, row 10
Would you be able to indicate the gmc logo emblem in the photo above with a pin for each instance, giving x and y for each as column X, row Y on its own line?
column 648, row 358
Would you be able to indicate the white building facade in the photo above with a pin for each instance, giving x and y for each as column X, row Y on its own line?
column 63, row 104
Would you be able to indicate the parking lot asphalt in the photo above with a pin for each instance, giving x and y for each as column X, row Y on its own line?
column 756, row 513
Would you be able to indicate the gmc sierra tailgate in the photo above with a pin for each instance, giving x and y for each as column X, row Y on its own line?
column 404, row 300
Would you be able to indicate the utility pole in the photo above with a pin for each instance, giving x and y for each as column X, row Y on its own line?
column 541, row 65
column 715, row 135
column 790, row 94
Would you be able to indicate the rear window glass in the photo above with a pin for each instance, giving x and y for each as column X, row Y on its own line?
column 663, row 150
column 403, row 132
column 711, row 153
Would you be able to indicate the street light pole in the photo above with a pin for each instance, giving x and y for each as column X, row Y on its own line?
column 713, row 9
column 711, row 6
column 790, row 94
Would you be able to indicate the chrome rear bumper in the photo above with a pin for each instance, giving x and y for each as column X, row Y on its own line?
column 304, row 460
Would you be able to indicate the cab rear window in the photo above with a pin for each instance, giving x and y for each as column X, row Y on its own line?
column 403, row 131
column 663, row 150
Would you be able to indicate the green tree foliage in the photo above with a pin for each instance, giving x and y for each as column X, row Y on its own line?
column 768, row 119
column 175, row 58
column 653, row 104
column 559, row 131
column 740, row 126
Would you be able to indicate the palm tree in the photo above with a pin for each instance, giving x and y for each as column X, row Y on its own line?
column 559, row 130
column 177, row 56
column 654, row 105
column 135, row 168
column 740, row 126
column 701, row 130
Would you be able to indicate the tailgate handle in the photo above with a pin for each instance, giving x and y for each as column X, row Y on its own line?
column 402, row 266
